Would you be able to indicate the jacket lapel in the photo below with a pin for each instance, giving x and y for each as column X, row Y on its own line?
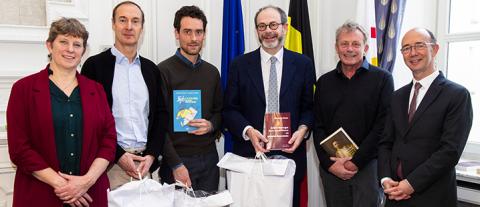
column 254, row 69
column 288, row 72
column 87, row 96
column 404, row 96
column 43, row 105
column 428, row 99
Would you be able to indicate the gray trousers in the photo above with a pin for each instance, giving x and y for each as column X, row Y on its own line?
column 117, row 177
column 362, row 190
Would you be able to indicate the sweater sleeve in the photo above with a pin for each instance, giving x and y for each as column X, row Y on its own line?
column 216, row 118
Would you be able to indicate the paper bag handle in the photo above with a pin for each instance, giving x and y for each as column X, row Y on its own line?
column 261, row 156
column 139, row 175
column 185, row 187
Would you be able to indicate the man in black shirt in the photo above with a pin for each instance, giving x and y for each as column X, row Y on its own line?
column 191, row 157
column 355, row 96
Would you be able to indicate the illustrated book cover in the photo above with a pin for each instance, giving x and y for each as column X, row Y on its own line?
column 187, row 106
column 339, row 144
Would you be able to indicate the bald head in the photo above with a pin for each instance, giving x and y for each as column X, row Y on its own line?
column 429, row 37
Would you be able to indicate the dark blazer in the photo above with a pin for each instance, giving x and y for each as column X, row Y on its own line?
column 431, row 145
column 101, row 69
column 31, row 138
column 245, row 104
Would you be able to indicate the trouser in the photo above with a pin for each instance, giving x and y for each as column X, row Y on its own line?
column 361, row 190
column 202, row 169
column 117, row 176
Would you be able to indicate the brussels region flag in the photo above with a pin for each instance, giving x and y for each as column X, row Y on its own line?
column 366, row 18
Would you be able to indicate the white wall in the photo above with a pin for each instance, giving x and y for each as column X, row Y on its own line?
column 22, row 49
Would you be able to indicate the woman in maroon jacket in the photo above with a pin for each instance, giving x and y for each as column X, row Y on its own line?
column 61, row 133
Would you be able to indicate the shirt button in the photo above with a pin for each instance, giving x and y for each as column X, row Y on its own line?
column 70, row 172
column 68, row 100
column 71, row 115
column 71, row 154
column 72, row 134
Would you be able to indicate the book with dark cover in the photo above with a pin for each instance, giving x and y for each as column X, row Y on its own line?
column 277, row 130
column 339, row 144
column 187, row 106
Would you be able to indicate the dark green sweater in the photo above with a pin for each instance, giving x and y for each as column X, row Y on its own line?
column 176, row 74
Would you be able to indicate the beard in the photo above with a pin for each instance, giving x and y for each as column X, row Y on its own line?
column 279, row 40
column 190, row 51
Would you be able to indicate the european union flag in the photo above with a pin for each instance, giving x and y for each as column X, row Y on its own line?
column 233, row 44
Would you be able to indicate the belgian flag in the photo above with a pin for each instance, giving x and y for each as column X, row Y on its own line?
column 299, row 36
column 299, row 39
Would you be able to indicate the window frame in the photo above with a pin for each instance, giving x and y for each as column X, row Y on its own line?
column 472, row 148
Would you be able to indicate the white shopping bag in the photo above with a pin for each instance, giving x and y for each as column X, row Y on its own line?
column 197, row 199
column 259, row 182
column 142, row 193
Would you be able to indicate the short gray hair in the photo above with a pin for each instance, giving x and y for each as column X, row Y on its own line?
column 283, row 15
column 351, row 26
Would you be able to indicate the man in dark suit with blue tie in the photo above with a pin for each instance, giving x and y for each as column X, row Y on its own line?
column 270, row 79
column 425, row 131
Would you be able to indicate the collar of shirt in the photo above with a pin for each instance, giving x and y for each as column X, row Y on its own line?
column 187, row 61
column 265, row 56
column 120, row 58
column 425, row 82
column 365, row 66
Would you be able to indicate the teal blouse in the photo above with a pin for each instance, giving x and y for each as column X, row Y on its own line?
column 67, row 123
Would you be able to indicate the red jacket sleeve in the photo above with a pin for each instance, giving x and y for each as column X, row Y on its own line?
column 108, row 140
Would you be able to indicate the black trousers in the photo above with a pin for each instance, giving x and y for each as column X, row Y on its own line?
column 362, row 190
column 202, row 169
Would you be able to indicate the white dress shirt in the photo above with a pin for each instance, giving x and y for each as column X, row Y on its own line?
column 130, row 105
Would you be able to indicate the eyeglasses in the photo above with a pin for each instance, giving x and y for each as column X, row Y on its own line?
column 418, row 46
column 272, row 25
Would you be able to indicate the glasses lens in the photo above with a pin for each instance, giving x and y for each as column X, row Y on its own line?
column 273, row 25
column 406, row 50
column 261, row 27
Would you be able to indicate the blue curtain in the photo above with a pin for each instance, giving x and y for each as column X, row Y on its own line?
column 233, row 44
column 388, row 18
